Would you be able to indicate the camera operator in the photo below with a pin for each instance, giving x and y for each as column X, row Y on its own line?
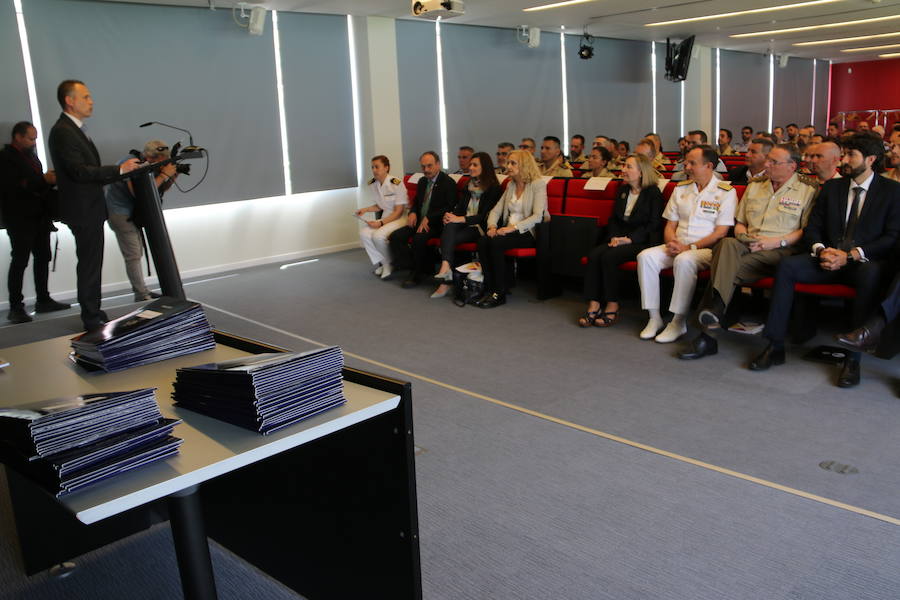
column 29, row 197
column 121, row 218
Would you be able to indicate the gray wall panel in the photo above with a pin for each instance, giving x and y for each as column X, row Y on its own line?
column 13, row 92
column 822, row 72
column 610, row 94
column 745, row 90
column 417, row 72
column 498, row 89
column 668, row 103
column 793, row 92
column 190, row 67
column 318, row 97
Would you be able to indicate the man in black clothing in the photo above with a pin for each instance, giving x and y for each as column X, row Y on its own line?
column 435, row 195
column 82, row 203
column 851, row 231
column 28, row 196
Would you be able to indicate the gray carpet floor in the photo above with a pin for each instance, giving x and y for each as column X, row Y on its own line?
column 513, row 506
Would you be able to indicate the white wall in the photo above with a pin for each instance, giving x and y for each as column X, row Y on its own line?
column 219, row 237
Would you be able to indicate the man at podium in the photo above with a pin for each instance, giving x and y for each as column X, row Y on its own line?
column 80, row 178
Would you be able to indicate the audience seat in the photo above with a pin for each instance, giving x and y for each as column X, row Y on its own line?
column 556, row 195
column 590, row 203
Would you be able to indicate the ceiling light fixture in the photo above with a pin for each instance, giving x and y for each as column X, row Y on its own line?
column 555, row 5
column 740, row 12
column 872, row 48
column 857, row 38
column 811, row 27
column 890, row 55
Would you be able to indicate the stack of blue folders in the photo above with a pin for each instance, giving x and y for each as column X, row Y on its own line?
column 264, row 392
column 162, row 329
column 69, row 443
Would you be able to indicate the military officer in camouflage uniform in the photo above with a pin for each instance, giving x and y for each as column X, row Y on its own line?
column 770, row 220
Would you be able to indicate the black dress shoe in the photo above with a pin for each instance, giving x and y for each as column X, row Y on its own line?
column 770, row 356
column 50, row 305
column 18, row 315
column 492, row 301
column 849, row 376
column 702, row 345
column 864, row 339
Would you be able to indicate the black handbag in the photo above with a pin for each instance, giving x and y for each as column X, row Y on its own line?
column 465, row 290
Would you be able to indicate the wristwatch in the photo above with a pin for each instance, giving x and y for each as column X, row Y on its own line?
column 693, row 246
column 783, row 243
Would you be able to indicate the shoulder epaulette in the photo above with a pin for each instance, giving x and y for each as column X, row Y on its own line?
column 395, row 181
column 371, row 181
column 685, row 182
column 724, row 185
column 808, row 180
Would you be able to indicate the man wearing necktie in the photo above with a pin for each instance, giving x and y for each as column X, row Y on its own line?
column 435, row 195
column 81, row 178
column 852, row 230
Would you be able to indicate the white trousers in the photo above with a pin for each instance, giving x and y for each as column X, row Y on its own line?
column 375, row 241
column 685, row 267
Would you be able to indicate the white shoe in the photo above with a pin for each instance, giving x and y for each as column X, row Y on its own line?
column 448, row 276
column 652, row 328
column 386, row 271
column 437, row 294
column 379, row 270
column 672, row 332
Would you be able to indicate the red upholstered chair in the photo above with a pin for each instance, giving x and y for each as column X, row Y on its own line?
column 593, row 203
column 667, row 191
column 410, row 189
column 556, row 195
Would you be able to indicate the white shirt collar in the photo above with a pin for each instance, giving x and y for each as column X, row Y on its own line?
column 75, row 120
column 865, row 184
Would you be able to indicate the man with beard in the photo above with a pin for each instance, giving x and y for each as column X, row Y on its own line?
column 852, row 230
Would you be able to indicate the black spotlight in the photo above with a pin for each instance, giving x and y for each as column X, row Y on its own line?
column 586, row 50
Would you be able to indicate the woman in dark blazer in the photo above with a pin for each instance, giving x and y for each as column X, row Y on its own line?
column 468, row 221
column 636, row 223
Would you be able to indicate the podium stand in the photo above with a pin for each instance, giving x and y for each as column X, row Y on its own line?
column 149, row 205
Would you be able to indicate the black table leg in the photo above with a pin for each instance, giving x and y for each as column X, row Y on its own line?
column 191, row 545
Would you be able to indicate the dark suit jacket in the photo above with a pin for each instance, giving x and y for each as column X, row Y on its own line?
column 879, row 221
column 489, row 199
column 24, row 191
column 79, row 175
column 443, row 198
column 738, row 175
column 645, row 224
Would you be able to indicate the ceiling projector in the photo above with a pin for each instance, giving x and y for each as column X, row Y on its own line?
column 435, row 9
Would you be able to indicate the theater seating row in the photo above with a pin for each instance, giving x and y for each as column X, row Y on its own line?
column 567, row 197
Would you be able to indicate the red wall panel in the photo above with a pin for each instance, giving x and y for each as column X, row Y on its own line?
column 865, row 85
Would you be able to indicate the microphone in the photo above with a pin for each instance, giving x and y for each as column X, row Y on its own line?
column 148, row 123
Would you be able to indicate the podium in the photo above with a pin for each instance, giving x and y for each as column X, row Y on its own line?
column 148, row 204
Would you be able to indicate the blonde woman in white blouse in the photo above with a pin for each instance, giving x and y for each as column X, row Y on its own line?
column 511, row 224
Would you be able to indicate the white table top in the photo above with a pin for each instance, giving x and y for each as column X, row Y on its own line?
column 43, row 371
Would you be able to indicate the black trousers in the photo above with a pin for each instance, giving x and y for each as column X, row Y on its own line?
column 493, row 261
column 89, row 251
column 601, row 279
column 413, row 255
column 28, row 238
column 803, row 268
column 456, row 233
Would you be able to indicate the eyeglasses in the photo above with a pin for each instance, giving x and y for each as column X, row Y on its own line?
column 769, row 161
column 524, row 147
column 502, row 153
